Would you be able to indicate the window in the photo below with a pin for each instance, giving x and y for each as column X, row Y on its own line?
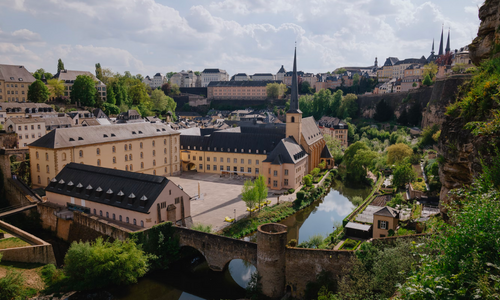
column 126, row 157
column 154, row 162
column 228, row 160
column 99, row 162
column 286, row 181
column 98, row 151
column 135, row 222
column 114, row 159
column 38, row 167
column 81, row 153
column 126, row 167
column 107, row 214
column 125, row 146
column 201, row 167
column 286, row 172
column 120, row 218
column 199, row 158
column 275, row 173
column 131, row 167
column 100, row 213
column 153, row 143
column 129, row 146
column 39, row 180
column 47, row 155
column 114, row 217
column 142, row 165
column 249, row 161
column 228, row 168
column 235, row 161
column 269, row 171
column 142, row 223
column 208, row 167
column 25, row 127
column 38, row 156
column 95, row 212
column 189, row 155
column 154, row 152
column 215, row 159
column 140, row 145
column 194, row 157
column 256, row 162
column 242, row 161
column 164, row 150
column 293, row 119
column 249, row 170
column 114, row 149
column 130, row 157
column 165, row 142
column 383, row 224
column 269, row 181
column 222, row 168
column 39, row 126
column 127, row 220
column 48, row 169
column 275, row 183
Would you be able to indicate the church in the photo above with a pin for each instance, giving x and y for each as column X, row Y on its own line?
column 283, row 153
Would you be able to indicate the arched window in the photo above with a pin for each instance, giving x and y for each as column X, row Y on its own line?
column 98, row 162
column 164, row 141
column 126, row 157
column 98, row 151
column 48, row 180
column 142, row 165
column 293, row 119
column 114, row 159
column 165, row 160
column 80, row 153
column 107, row 214
column 175, row 149
column 95, row 213
column 154, row 172
column 129, row 146
column 127, row 220
column 153, row 143
column 135, row 222
column 142, row 223
column 176, row 158
column 140, row 145
column 126, row 167
column 114, row 217
column 38, row 167
column 154, row 152
column 100, row 213
column 165, row 150
column 37, row 155
column 125, row 147
column 175, row 140
column 142, row 155
column 48, row 169
column 120, row 218
column 130, row 157
column 114, row 149
column 39, row 180
column 47, row 156
column 64, row 156
column 131, row 168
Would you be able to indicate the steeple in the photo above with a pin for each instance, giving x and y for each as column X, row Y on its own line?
column 441, row 44
column 432, row 51
column 447, row 50
column 294, row 99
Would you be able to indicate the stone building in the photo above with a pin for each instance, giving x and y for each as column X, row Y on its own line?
column 69, row 77
column 280, row 76
column 119, row 196
column 263, row 77
column 238, row 90
column 21, row 110
column 14, row 83
column 384, row 220
column 186, row 79
column 28, row 130
column 149, row 148
column 283, row 153
column 209, row 75
column 335, row 128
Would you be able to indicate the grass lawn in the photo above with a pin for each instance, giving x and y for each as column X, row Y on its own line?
column 12, row 242
column 33, row 282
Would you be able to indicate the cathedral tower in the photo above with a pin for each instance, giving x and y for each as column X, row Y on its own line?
column 294, row 115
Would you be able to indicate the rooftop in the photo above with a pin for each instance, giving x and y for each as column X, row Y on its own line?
column 15, row 73
column 241, row 83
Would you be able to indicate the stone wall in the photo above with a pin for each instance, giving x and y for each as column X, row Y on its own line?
column 304, row 265
column 88, row 228
column 39, row 252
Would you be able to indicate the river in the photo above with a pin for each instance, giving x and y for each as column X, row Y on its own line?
column 192, row 279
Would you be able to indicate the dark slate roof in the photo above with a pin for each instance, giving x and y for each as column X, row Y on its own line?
column 330, row 122
column 286, row 152
column 412, row 61
column 222, row 141
column 282, row 69
column 310, row 132
column 241, row 83
column 213, row 71
column 262, row 74
column 387, row 211
column 103, row 185
column 187, row 113
column 391, row 61
column 99, row 114
column 326, row 153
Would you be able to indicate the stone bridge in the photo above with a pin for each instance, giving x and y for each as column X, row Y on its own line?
column 217, row 250
column 282, row 269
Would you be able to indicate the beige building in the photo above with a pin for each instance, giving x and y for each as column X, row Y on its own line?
column 209, row 75
column 69, row 77
column 21, row 110
column 186, row 79
column 334, row 128
column 385, row 73
column 383, row 220
column 141, row 147
column 238, row 90
column 398, row 70
column 14, row 83
column 28, row 130
column 120, row 196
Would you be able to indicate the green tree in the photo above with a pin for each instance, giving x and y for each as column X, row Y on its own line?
column 84, row 91
column 38, row 92
column 335, row 147
column 307, row 180
column 175, row 90
column 340, row 71
column 357, row 158
column 305, row 88
column 56, row 87
column 321, row 103
column 100, row 263
column 170, row 74
column 275, row 90
column 306, row 105
column 348, row 107
column 110, row 97
column 397, row 152
column 138, row 94
column 403, row 174
column 98, row 71
column 430, row 70
column 427, row 81
column 336, row 100
column 110, row 109
column 161, row 102
column 60, row 65
column 38, row 74
column 260, row 189
column 249, row 195
column 383, row 112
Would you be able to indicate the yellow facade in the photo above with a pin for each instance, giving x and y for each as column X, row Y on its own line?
column 13, row 91
column 149, row 155
column 237, row 92
column 382, row 229
column 246, row 164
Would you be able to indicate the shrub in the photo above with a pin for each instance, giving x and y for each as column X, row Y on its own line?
column 97, row 264
column 292, row 243
column 291, row 191
column 11, row 285
column 301, row 195
column 419, row 179
column 357, row 200
column 415, row 159
column 307, row 180
column 391, row 232
column 202, row 228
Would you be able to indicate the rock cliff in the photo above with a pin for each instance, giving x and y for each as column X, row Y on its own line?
column 488, row 36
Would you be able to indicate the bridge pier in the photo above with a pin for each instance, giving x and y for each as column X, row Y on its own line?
column 271, row 258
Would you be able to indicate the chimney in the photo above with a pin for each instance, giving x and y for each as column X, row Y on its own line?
column 109, row 194
column 88, row 190
column 131, row 199
column 70, row 185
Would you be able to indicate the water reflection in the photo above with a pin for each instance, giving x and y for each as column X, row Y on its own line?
column 241, row 271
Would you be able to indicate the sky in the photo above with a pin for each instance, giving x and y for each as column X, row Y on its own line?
column 239, row 36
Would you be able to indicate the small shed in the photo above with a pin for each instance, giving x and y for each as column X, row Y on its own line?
column 357, row 230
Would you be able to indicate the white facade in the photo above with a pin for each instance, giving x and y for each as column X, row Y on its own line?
column 157, row 81
column 209, row 75
column 186, row 79
column 262, row 76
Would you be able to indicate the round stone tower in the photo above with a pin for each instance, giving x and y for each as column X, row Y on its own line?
column 271, row 260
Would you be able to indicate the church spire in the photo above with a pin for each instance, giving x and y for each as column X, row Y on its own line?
column 441, row 44
column 432, row 51
column 447, row 50
column 294, row 99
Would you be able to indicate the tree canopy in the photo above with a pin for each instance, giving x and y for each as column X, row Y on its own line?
column 56, row 87
column 403, row 174
column 60, row 65
column 397, row 152
column 275, row 90
column 383, row 112
column 84, row 91
column 38, row 92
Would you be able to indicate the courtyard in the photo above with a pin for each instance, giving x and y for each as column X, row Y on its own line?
column 219, row 197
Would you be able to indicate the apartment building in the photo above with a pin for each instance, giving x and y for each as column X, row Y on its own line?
column 280, row 76
column 209, row 75
column 238, row 90
column 385, row 73
column 21, row 110
column 148, row 148
column 28, row 130
column 263, row 77
column 335, row 128
column 398, row 70
column 69, row 77
column 120, row 196
column 14, row 83
column 186, row 79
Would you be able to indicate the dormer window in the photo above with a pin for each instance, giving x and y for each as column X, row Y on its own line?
column 133, row 132
column 264, row 151
column 104, row 135
column 80, row 138
column 256, row 151
column 157, row 129
column 140, row 132
column 71, row 139
column 249, row 150
column 113, row 135
column 242, row 150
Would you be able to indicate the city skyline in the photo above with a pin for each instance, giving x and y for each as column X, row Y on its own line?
column 149, row 36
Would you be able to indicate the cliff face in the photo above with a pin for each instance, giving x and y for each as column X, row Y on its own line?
column 488, row 35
